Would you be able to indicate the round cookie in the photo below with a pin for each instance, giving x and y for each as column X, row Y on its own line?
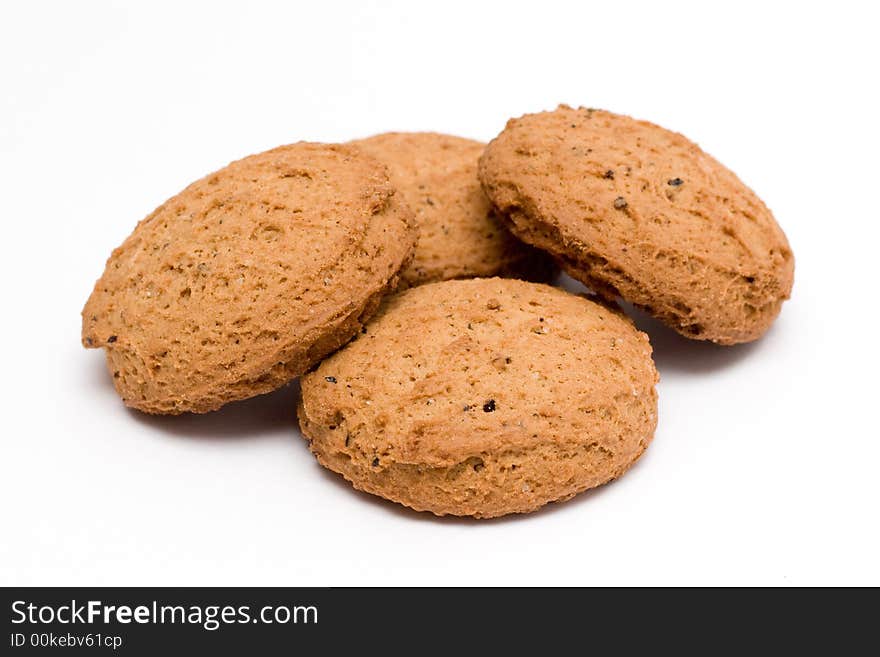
column 459, row 235
column 635, row 210
column 248, row 277
column 483, row 397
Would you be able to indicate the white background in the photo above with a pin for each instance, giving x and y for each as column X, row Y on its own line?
column 764, row 469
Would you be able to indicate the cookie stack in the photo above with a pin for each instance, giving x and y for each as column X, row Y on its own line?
column 405, row 278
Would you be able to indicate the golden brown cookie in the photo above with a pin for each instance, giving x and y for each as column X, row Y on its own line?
column 483, row 397
column 635, row 210
column 248, row 277
column 459, row 236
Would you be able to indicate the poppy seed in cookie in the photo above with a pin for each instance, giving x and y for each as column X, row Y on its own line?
column 112, row 339
column 609, row 175
column 330, row 379
column 489, row 406
column 676, row 182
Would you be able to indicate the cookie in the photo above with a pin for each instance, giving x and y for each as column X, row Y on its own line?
column 459, row 236
column 631, row 209
column 248, row 277
column 483, row 397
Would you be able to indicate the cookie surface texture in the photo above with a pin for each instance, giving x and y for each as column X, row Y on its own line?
column 631, row 209
column 248, row 277
column 483, row 397
column 459, row 235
